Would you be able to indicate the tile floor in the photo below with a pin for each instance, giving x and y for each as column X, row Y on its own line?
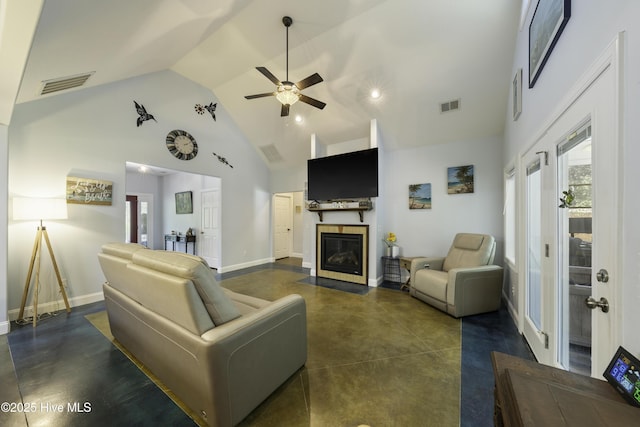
column 378, row 358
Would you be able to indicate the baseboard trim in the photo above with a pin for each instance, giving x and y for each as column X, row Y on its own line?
column 235, row 267
column 5, row 327
column 57, row 305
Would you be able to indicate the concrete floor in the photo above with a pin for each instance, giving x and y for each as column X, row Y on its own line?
column 378, row 357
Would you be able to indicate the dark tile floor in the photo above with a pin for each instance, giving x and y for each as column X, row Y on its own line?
column 66, row 361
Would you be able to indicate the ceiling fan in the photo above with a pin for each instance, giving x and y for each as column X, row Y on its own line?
column 286, row 92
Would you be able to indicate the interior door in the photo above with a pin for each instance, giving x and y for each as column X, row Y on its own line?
column 131, row 219
column 282, row 225
column 209, row 241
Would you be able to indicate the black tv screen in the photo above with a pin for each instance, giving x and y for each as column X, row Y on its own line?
column 343, row 176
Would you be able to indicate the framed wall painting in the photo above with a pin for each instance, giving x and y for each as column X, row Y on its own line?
column 184, row 202
column 87, row 191
column 460, row 179
column 420, row 196
column 517, row 94
column 549, row 19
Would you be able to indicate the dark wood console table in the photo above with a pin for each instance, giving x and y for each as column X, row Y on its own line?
column 173, row 238
column 531, row 394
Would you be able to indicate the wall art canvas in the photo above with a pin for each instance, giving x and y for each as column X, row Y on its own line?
column 549, row 19
column 460, row 179
column 184, row 203
column 517, row 94
column 87, row 191
column 420, row 196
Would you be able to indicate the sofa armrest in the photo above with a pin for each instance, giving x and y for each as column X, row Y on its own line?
column 252, row 355
column 474, row 290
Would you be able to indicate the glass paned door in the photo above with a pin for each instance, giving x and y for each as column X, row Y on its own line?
column 534, row 246
column 536, row 325
column 575, row 215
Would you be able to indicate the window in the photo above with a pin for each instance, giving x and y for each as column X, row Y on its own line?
column 510, row 217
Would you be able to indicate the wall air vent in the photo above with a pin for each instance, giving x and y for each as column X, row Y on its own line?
column 271, row 153
column 64, row 83
column 448, row 106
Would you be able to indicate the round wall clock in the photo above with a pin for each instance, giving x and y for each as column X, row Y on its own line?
column 181, row 144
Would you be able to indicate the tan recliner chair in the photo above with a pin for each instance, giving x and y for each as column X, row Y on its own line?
column 464, row 282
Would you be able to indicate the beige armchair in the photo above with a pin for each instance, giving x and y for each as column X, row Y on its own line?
column 462, row 283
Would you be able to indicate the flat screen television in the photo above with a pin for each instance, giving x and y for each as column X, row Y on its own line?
column 344, row 176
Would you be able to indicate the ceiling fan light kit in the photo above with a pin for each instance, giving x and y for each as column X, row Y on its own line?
column 288, row 93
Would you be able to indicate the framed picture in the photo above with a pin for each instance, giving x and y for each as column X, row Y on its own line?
column 87, row 191
column 420, row 196
column 517, row 94
column 184, row 203
column 549, row 19
column 460, row 179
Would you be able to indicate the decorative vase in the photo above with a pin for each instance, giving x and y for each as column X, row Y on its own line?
column 395, row 251
column 388, row 251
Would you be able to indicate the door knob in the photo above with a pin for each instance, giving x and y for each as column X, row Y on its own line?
column 592, row 304
column 602, row 276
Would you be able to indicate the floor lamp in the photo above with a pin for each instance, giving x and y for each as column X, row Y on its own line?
column 39, row 209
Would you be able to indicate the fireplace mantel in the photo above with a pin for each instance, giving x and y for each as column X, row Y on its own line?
column 337, row 229
column 359, row 206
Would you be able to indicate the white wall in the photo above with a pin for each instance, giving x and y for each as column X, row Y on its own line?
column 92, row 133
column 591, row 28
column 429, row 232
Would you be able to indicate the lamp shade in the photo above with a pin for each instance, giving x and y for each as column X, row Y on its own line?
column 27, row 208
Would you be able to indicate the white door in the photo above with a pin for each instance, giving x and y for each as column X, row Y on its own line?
column 537, row 320
column 282, row 225
column 209, row 241
column 145, row 220
column 592, row 108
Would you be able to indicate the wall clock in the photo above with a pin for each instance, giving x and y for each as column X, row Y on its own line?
column 181, row 144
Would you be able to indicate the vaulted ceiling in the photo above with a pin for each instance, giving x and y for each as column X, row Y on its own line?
column 418, row 53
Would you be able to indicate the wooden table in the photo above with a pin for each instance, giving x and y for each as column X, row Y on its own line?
column 173, row 238
column 531, row 394
column 405, row 262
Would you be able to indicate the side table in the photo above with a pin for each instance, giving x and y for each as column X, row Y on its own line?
column 405, row 262
column 391, row 269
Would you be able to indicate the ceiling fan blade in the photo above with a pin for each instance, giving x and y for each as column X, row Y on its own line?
column 309, row 81
column 285, row 110
column 268, row 75
column 311, row 101
column 260, row 95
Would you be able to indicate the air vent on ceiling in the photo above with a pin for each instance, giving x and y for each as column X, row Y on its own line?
column 445, row 107
column 271, row 153
column 64, row 83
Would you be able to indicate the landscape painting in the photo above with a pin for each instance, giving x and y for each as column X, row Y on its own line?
column 420, row 196
column 460, row 179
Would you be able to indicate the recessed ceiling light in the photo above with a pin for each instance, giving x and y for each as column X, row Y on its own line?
column 375, row 93
column 298, row 118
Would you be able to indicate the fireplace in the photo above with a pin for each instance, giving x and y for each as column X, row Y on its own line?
column 342, row 252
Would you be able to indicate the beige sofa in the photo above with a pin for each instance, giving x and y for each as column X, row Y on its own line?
column 464, row 282
column 222, row 353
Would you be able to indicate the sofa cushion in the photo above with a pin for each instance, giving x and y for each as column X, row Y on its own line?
column 218, row 304
column 432, row 283
column 122, row 250
column 469, row 250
